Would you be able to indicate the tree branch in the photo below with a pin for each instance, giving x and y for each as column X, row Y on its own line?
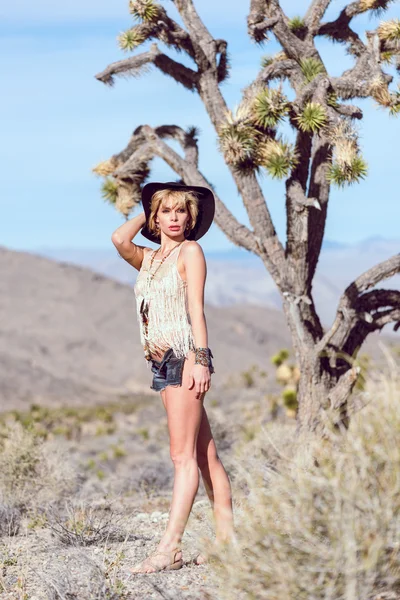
column 339, row 394
column 371, row 303
column 296, row 218
column 187, row 140
column 314, row 15
column 353, row 306
column 198, row 31
column 376, row 299
column 372, row 276
column 223, row 60
column 269, row 15
column 152, row 145
column 135, row 65
column 269, row 247
column 257, row 30
column 341, row 31
column 347, row 110
column 278, row 69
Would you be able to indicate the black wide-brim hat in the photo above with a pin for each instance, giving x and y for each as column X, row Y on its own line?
column 206, row 204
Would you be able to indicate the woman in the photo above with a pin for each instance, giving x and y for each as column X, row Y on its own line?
column 170, row 305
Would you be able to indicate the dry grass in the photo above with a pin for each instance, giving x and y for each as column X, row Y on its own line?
column 32, row 472
column 320, row 520
column 83, row 577
column 314, row 520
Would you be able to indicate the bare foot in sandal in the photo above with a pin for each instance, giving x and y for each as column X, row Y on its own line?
column 160, row 561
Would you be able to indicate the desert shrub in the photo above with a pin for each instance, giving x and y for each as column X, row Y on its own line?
column 319, row 520
column 10, row 519
column 80, row 524
column 253, row 376
column 32, row 471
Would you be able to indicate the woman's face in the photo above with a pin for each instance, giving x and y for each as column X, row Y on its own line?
column 172, row 219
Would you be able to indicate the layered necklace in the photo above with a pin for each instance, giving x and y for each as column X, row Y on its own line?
column 151, row 277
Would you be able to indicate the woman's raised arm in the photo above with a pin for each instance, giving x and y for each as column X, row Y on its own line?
column 122, row 240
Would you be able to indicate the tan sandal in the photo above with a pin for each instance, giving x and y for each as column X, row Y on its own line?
column 174, row 564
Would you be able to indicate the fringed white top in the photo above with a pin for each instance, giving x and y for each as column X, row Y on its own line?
column 162, row 309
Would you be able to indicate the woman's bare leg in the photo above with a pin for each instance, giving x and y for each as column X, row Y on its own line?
column 216, row 481
column 184, row 414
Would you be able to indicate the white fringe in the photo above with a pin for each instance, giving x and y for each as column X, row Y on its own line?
column 169, row 320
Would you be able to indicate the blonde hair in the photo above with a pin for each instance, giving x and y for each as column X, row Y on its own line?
column 181, row 198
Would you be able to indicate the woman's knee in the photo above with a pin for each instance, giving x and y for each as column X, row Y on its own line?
column 182, row 458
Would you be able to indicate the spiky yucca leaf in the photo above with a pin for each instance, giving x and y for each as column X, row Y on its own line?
column 128, row 195
column 376, row 6
column 109, row 190
column 389, row 31
column 144, row 10
column 332, row 99
column 346, row 150
column 277, row 157
column 345, row 130
column 386, row 57
column 348, row 166
column 241, row 113
column 268, row 108
column 394, row 109
column 312, row 118
column 106, row 167
column 237, row 142
column 266, row 60
column 380, row 92
column 346, row 174
column 129, row 40
column 311, row 67
column 281, row 55
column 297, row 25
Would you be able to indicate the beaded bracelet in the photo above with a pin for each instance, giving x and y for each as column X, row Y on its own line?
column 203, row 357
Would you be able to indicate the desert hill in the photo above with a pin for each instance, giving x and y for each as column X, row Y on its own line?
column 237, row 276
column 69, row 335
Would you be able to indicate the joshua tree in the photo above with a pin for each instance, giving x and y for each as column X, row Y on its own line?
column 325, row 152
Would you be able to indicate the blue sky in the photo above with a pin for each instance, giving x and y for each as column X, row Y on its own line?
column 59, row 122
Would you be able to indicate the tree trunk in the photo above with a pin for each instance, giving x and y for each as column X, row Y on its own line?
column 326, row 381
column 315, row 413
column 325, row 359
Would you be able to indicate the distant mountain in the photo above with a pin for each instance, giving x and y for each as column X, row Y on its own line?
column 69, row 335
column 237, row 276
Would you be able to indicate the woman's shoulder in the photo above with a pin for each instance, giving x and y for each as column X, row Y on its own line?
column 192, row 247
column 191, row 252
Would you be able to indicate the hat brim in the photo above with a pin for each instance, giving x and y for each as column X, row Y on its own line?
column 206, row 204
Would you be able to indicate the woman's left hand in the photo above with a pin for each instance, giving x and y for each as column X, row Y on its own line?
column 200, row 377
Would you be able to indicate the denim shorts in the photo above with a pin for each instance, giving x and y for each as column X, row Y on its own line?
column 168, row 371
